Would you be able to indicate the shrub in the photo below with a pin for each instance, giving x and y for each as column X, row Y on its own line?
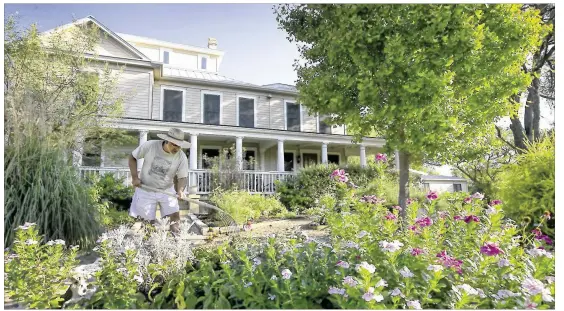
column 527, row 186
column 243, row 206
column 113, row 190
column 310, row 184
column 36, row 274
column 41, row 187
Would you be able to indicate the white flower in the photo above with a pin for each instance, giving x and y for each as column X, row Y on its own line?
column 350, row 281
column 337, row 272
column 532, row 286
column 102, row 238
column 549, row 279
column 257, row 261
column 369, row 295
column 537, row 252
column 382, row 283
column 60, row 242
column 26, row 225
column 351, row 244
column 343, row 264
column 336, row 291
column 362, row 234
column 390, row 246
column 503, row 263
column 530, row 305
column 271, row 296
column 491, row 210
column 435, row 268
column 406, row 273
column 509, row 276
column 478, row 196
column 366, row 266
column 504, row 293
column 50, row 243
column 138, row 278
column 468, row 289
column 414, row 304
column 30, row 242
column 286, row 274
column 248, row 284
column 481, row 293
column 397, row 292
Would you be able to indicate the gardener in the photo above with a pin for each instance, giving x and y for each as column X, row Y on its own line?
column 163, row 162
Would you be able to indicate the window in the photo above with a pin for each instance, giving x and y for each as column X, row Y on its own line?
column 457, row 187
column 333, row 158
column 172, row 105
column 208, row 156
column 211, row 108
column 250, row 160
column 288, row 161
column 204, row 63
column 246, row 112
column 293, row 121
column 324, row 127
column 166, row 57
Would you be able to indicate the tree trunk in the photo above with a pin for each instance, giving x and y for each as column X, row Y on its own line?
column 532, row 111
column 517, row 129
column 403, row 183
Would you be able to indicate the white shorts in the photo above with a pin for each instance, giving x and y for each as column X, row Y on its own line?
column 144, row 204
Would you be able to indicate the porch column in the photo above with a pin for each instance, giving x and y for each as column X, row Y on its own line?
column 362, row 156
column 262, row 164
column 280, row 162
column 239, row 152
column 324, row 153
column 142, row 139
column 192, row 176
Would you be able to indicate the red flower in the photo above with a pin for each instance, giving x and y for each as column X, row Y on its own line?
column 490, row 249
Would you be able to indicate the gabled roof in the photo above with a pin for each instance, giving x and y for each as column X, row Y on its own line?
column 282, row 86
column 112, row 34
column 167, row 44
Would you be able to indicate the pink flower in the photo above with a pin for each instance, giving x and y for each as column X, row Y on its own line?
column 416, row 251
column 471, row 218
column 409, row 201
column 450, row 262
column 432, row 195
column 397, row 208
column 372, row 199
column 442, row 215
column 424, row 222
column 414, row 229
column 537, row 232
column 457, row 217
column 478, row 196
column 390, row 216
column 490, row 249
column 380, row 157
column 340, row 175
column 468, row 200
column 495, row 202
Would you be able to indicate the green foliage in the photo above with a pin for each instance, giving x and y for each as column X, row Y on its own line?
column 113, row 190
column 113, row 218
column 527, row 187
column 36, row 273
column 243, row 206
column 304, row 190
column 41, row 187
column 115, row 282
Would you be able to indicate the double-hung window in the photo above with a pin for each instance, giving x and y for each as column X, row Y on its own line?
column 172, row 104
column 246, row 111
column 211, row 108
column 293, row 120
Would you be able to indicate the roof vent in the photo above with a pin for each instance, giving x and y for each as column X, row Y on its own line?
column 212, row 43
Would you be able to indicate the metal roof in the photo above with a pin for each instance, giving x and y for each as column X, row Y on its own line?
column 282, row 86
column 201, row 75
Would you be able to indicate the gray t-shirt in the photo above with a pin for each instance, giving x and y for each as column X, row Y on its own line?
column 160, row 167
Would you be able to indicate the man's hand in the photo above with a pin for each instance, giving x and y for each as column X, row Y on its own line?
column 136, row 182
column 181, row 195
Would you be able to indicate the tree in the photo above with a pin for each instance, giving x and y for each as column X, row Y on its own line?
column 53, row 89
column 428, row 78
column 541, row 66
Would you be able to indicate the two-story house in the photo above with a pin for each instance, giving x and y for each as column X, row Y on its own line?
column 175, row 85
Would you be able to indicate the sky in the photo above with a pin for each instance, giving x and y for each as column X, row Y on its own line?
column 256, row 51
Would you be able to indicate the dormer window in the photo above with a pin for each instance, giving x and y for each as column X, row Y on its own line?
column 166, row 57
column 204, row 63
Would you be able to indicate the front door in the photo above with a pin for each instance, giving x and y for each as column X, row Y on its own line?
column 309, row 159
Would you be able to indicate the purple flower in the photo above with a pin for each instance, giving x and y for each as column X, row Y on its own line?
column 471, row 218
column 468, row 200
column 537, row 232
column 380, row 157
column 336, row 291
column 350, row 281
column 372, row 199
column 416, row 251
column 495, row 202
column 409, row 201
column 490, row 249
column 390, row 216
column 457, row 217
column 342, row 264
column 424, row 222
column 432, row 195
column 397, row 208
column 449, row 261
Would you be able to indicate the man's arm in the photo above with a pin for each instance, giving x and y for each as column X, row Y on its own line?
column 180, row 186
column 133, row 170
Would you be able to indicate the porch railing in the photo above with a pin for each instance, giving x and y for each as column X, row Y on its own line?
column 204, row 181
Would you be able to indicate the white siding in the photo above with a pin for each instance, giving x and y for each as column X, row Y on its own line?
column 184, row 60
column 277, row 119
column 135, row 86
column 152, row 53
column 109, row 46
column 445, row 186
column 309, row 122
